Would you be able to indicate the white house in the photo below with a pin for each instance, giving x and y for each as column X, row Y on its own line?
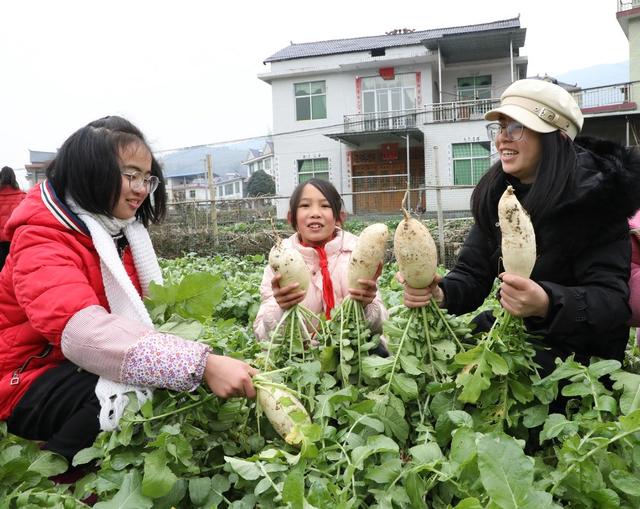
column 196, row 188
column 230, row 187
column 260, row 159
column 368, row 112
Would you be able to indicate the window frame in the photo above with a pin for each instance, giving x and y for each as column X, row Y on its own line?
column 310, row 96
column 478, row 91
column 314, row 172
column 477, row 162
column 387, row 91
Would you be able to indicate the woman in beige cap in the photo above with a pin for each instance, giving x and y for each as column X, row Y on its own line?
column 579, row 195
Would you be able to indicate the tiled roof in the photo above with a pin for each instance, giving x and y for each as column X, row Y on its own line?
column 336, row 46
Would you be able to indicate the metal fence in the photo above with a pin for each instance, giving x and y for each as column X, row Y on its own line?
column 598, row 97
column 246, row 226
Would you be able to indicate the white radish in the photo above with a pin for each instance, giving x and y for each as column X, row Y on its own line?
column 368, row 254
column 518, row 236
column 415, row 252
column 279, row 406
column 290, row 264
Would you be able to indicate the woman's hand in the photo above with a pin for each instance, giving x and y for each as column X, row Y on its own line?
column 367, row 294
column 418, row 297
column 523, row 297
column 228, row 377
column 287, row 296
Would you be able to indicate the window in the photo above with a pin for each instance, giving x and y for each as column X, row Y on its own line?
column 228, row 189
column 311, row 100
column 219, row 191
column 380, row 95
column 470, row 162
column 261, row 164
column 192, row 193
column 237, row 188
column 474, row 87
column 310, row 168
column 267, row 164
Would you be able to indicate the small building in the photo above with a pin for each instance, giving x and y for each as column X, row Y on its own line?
column 230, row 187
column 37, row 167
column 260, row 159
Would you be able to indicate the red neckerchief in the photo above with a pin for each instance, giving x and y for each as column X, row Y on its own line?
column 327, row 285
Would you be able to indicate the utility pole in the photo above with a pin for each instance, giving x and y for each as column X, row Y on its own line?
column 212, row 200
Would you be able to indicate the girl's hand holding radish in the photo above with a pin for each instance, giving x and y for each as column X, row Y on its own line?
column 367, row 293
column 287, row 296
column 522, row 297
column 418, row 297
column 228, row 377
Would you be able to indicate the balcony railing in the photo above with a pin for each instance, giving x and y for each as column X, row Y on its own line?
column 610, row 98
column 625, row 5
column 407, row 119
column 605, row 99
column 383, row 121
column 459, row 110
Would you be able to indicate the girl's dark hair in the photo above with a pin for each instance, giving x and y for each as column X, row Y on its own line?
column 8, row 178
column 87, row 168
column 555, row 173
column 328, row 191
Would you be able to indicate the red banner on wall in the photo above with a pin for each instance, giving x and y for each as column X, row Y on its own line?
column 387, row 73
column 389, row 151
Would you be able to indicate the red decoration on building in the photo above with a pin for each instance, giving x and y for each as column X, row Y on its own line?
column 389, row 151
column 387, row 73
column 359, row 94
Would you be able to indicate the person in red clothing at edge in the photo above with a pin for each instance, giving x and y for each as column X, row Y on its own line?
column 10, row 197
column 316, row 214
column 75, row 337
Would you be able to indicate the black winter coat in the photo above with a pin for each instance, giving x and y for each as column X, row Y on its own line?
column 583, row 259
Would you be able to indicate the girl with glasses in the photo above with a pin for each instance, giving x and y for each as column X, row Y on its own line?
column 75, row 336
column 578, row 193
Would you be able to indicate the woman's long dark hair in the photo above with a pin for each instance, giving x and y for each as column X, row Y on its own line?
column 8, row 178
column 87, row 167
column 554, row 175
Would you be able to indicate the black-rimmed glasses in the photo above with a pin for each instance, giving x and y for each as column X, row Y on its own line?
column 514, row 131
column 137, row 181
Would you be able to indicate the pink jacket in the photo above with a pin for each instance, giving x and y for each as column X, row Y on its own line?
column 338, row 253
column 634, row 281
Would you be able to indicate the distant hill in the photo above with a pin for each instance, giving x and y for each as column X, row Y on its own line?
column 597, row 75
column 227, row 158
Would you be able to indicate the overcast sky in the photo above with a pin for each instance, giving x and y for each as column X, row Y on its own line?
column 186, row 71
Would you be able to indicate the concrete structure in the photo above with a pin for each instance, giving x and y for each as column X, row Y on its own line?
column 38, row 161
column 372, row 113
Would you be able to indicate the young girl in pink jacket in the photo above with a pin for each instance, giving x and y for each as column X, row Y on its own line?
column 315, row 212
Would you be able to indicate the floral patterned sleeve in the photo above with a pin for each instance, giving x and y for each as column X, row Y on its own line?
column 164, row 360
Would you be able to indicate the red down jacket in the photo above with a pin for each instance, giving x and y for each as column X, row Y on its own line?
column 9, row 200
column 53, row 272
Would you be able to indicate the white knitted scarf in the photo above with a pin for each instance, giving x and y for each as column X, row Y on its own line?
column 122, row 296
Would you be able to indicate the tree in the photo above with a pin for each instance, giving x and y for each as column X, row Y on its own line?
column 261, row 184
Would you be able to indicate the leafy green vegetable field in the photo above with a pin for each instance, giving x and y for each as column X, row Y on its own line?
column 449, row 420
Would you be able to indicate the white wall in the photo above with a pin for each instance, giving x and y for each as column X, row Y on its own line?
column 437, row 151
column 500, row 71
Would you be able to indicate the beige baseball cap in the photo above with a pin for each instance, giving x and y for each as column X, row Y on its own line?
column 541, row 106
